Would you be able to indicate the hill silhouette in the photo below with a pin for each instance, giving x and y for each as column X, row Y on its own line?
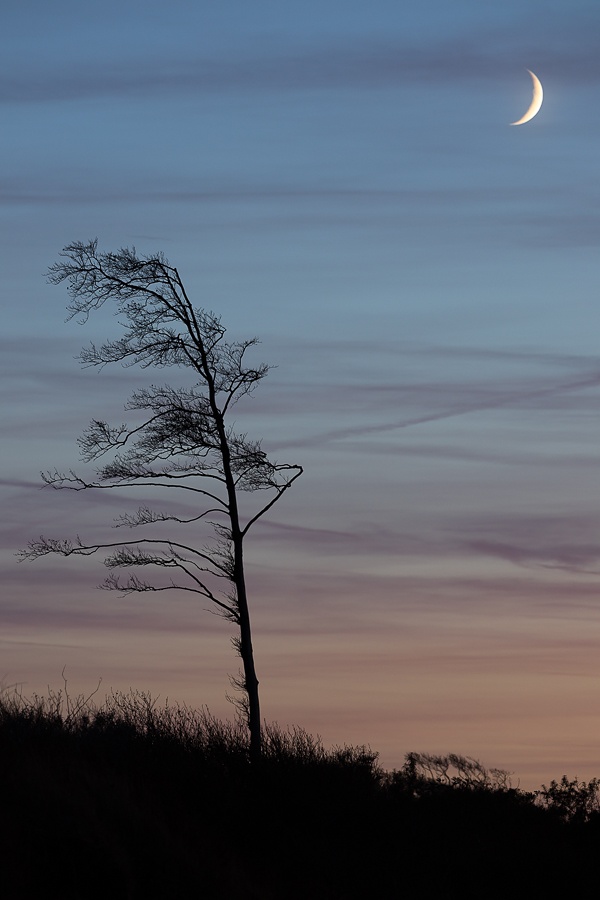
column 130, row 800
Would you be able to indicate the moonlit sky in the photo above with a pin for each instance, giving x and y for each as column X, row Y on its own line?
column 340, row 179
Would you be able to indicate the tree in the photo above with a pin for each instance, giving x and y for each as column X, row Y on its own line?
column 570, row 799
column 422, row 770
column 184, row 442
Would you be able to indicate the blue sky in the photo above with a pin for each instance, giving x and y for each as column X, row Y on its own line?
column 341, row 180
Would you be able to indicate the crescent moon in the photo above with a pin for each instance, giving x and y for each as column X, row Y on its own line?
column 536, row 100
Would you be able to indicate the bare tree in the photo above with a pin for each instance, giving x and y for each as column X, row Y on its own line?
column 184, row 441
column 455, row 771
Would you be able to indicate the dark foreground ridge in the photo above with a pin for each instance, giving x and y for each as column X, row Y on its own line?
column 130, row 800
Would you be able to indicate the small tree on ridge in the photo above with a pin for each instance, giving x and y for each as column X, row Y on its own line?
column 184, row 441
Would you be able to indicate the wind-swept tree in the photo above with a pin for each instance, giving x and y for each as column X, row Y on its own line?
column 182, row 441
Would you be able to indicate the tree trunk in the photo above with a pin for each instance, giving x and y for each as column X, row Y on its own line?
column 247, row 654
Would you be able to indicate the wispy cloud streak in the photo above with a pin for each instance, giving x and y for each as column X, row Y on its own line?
column 374, row 62
column 485, row 400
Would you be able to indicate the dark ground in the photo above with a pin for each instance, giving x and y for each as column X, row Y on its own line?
column 130, row 802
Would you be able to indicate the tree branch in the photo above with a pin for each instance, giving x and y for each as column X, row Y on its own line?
column 280, row 491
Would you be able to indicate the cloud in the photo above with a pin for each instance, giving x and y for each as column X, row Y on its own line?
column 374, row 62
column 431, row 402
column 264, row 206
column 570, row 542
column 581, row 558
column 434, row 523
column 304, row 198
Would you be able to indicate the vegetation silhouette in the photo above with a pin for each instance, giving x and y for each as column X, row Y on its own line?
column 131, row 799
column 180, row 444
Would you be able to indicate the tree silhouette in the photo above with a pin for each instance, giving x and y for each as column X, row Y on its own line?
column 184, row 442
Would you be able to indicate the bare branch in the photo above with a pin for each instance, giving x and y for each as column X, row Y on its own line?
column 280, row 491
column 146, row 516
column 134, row 584
column 129, row 478
column 44, row 546
column 122, row 556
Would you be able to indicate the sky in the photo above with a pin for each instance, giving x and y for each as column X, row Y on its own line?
column 341, row 180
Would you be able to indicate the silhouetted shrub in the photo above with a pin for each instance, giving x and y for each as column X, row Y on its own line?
column 131, row 799
column 572, row 800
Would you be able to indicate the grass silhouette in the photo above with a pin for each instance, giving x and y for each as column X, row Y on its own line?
column 129, row 799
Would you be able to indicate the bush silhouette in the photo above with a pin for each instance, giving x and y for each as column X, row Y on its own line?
column 130, row 799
